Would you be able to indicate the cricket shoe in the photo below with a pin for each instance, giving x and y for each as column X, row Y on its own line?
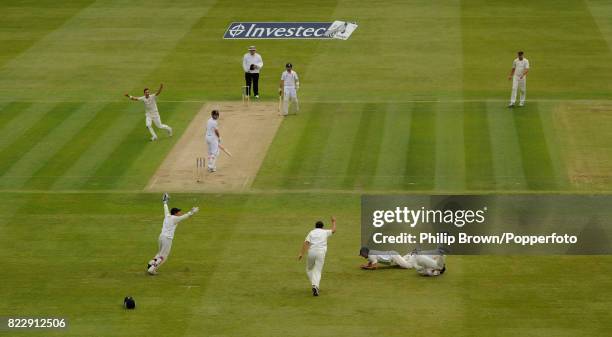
column 315, row 291
column 153, row 139
column 521, row 104
column 165, row 198
column 511, row 105
column 169, row 132
column 152, row 270
column 257, row 96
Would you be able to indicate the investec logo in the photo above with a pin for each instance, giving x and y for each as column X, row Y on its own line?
column 289, row 30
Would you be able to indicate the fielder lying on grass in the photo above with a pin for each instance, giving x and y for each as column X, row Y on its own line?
column 426, row 263
column 171, row 220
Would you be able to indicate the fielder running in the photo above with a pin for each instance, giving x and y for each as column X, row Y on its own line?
column 289, row 85
column 171, row 220
column 518, row 75
column 316, row 246
column 213, row 138
column 151, row 112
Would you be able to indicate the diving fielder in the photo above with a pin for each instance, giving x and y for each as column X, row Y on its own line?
column 518, row 75
column 390, row 258
column 289, row 85
column 426, row 263
column 171, row 220
column 316, row 246
column 213, row 138
column 151, row 112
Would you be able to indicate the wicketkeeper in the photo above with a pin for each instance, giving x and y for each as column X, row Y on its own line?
column 171, row 220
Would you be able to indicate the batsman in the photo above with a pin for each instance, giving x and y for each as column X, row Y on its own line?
column 289, row 85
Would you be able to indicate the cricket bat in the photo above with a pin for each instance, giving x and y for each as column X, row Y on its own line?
column 280, row 100
column 225, row 150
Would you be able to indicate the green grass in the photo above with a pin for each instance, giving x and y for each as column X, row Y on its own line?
column 413, row 102
column 233, row 270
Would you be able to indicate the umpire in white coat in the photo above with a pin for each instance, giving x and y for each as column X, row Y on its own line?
column 252, row 64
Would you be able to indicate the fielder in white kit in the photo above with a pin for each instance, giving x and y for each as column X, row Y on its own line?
column 171, row 220
column 518, row 75
column 151, row 112
column 316, row 246
column 289, row 85
column 213, row 138
column 426, row 263
column 390, row 258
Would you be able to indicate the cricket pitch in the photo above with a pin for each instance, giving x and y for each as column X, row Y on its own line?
column 246, row 131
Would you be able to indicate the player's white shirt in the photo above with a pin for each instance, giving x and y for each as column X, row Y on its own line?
column 150, row 105
column 318, row 238
column 211, row 125
column 380, row 258
column 520, row 66
column 290, row 80
column 249, row 59
column 170, row 222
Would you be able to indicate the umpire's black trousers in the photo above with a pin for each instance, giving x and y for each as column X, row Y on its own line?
column 254, row 79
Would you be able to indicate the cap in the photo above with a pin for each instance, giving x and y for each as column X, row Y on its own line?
column 175, row 210
column 252, row 48
column 288, row 65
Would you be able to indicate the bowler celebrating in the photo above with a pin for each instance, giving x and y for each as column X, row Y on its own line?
column 518, row 75
column 151, row 112
column 289, row 85
column 171, row 220
column 316, row 245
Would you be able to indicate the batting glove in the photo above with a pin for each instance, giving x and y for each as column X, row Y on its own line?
column 165, row 198
column 195, row 210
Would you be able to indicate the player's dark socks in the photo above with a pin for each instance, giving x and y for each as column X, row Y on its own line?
column 315, row 291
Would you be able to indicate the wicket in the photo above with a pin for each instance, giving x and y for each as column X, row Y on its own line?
column 246, row 95
column 199, row 169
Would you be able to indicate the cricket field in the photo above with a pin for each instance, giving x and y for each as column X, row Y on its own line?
column 414, row 102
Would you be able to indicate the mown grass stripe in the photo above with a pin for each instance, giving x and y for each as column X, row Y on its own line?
column 68, row 154
column 365, row 148
column 537, row 165
column 10, row 110
column 305, row 158
column 124, row 120
column 24, row 119
column 450, row 157
column 47, row 147
column 342, row 124
column 478, row 158
column 419, row 172
column 392, row 157
column 547, row 115
column 505, row 148
column 24, row 143
column 124, row 155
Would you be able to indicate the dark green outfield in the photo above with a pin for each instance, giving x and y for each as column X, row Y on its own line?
column 413, row 102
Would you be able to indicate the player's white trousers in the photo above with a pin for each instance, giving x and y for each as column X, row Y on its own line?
column 289, row 94
column 402, row 261
column 519, row 84
column 314, row 265
column 149, row 120
column 164, row 246
column 213, row 151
